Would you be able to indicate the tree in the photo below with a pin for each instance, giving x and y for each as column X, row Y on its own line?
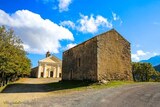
column 143, row 71
column 13, row 60
column 157, row 77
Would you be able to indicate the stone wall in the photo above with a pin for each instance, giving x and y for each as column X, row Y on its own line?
column 80, row 62
column 114, row 57
column 34, row 72
column 104, row 57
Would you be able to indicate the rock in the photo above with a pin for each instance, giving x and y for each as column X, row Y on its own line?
column 104, row 82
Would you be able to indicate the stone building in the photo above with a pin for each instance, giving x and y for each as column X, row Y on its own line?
column 103, row 57
column 48, row 67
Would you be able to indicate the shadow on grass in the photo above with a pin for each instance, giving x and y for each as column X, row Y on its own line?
column 55, row 86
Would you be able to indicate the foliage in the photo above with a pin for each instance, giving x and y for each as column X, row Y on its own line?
column 13, row 60
column 157, row 77
column 157, row 68
column 143, row 72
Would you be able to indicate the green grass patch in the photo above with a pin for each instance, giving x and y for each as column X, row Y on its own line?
column 1, row 88
column 111, row 84
column 83, row 85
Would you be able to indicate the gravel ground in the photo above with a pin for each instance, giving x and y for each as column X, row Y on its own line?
column 133, row 95
column 23, row 90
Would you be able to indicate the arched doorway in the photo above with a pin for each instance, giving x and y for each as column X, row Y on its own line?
column 41, row 74
column 51, row 73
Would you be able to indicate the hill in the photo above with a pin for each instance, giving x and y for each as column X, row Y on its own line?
column 157, row 68
column 153, row 60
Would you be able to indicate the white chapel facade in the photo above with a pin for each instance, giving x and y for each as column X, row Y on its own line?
column 50, row 66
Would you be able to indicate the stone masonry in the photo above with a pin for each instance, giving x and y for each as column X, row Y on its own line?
column 103, row 57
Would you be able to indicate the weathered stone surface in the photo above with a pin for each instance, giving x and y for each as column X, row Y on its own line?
column 34, row 72
column 104, row 57
column 80, row 62
column 114, row 58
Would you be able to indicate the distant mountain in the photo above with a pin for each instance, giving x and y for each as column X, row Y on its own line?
column 153, row 60
column 157, row 68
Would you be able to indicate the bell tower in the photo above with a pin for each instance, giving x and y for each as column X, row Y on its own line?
column 48, row 54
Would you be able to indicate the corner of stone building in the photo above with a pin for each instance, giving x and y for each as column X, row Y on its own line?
column 103, row 74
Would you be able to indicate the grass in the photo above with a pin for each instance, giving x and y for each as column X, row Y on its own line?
column 69, row 86
column 84, row 85
column 111, row 84
column 2, row 88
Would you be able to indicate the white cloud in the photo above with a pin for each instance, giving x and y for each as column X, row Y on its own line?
column 90, row 24
column 64, row 4
column 68, row 23
column 39, row 35
column 155, row 54
column 137, row 56
column 70, row 45
column 141, row 55
column 115, row 17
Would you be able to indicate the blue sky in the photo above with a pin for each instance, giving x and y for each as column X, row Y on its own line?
column 57, row 25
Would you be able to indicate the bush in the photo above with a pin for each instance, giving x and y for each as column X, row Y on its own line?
column 144, row 72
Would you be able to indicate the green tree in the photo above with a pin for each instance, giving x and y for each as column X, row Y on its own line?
column 143, row 71
column 156, row 76
column 13, row 60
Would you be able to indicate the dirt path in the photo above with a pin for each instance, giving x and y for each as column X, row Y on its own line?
column 135, row 95
column 25, row 89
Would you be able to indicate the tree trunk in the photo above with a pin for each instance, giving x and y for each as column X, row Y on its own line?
column 3, row 79
column 133, row 76
column 0, row 79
